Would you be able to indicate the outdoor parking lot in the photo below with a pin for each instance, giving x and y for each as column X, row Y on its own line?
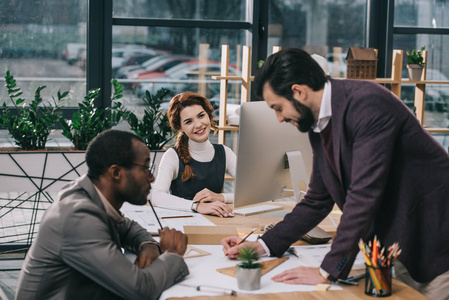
column 58, row 74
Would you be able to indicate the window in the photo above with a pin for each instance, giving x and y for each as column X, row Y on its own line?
column 43, row 43
column 423, row 23
column 327, row 28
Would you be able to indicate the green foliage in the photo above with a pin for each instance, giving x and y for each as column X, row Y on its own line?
column 89, row 120
column 154, row 128
column 248, row 256
column 32, row 124
column 415, row 57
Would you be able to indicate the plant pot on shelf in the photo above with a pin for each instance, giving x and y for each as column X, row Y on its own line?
column 415, row 72
column 249, row 279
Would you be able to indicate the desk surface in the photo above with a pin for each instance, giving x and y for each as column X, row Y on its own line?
column 400, row 290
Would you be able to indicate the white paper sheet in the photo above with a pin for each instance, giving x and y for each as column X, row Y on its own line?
column 312, row 256
column 144, row 215
column 203, row 272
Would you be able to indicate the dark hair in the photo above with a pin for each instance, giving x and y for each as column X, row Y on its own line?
column 286, row 68
column 111, row 147
column 177, row 104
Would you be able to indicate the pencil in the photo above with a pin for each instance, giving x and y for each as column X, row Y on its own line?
column 154, row 211
column 243, row 239
column 176, row 217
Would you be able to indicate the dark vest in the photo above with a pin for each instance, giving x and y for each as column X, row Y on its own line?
column 208, row 175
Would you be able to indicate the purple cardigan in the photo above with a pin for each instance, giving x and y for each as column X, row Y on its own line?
column 393, row 180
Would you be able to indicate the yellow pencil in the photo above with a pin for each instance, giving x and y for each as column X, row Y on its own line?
column 243, row 239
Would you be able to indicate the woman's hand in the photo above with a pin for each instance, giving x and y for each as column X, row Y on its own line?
column 215, row 208
column 206, row 195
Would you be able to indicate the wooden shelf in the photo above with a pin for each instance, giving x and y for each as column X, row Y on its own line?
column 396, row 81
column 228, row 178
column 228, row 128
column 437, row 130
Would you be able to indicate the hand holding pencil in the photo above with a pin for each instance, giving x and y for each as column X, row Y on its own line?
column 231, row 245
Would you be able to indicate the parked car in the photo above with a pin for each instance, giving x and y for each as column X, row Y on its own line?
column 120, row 55
column 184, row 77
column 157, row 64
column 72, row 52
column 134, row 60
column 436, row 95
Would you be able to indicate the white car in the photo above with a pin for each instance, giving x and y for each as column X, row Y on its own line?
column 119, row 55
column 184, row 77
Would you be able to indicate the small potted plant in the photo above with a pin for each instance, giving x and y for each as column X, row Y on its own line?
column 415, row 64
column 248, row 272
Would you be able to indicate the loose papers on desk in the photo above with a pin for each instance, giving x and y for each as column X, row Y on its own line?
column 144, row 215
column 312, row 256
column 203, row 272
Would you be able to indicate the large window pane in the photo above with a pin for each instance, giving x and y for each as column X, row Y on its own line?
column 327, row 28
column 42, row 42
column 181, row 60
column 181, row 9
column 437, row 96
column 421, row 13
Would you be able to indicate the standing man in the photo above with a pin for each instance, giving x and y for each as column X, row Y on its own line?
column 374, row 160
column 77, row 252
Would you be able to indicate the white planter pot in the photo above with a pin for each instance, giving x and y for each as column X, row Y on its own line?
column 415, row 72
column 249, row 279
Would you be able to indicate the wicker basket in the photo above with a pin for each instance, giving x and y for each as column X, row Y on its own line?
column 361, row 63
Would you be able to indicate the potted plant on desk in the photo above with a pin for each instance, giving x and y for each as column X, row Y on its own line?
column 415, row 64
column 248, row 272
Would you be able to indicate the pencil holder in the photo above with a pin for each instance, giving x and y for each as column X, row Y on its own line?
column 378, row 281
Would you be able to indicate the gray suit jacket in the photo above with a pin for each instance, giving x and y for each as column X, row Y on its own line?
column 77, row 254
column 392, row 180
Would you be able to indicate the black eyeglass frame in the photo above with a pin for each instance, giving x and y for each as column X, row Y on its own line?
column 149, row 168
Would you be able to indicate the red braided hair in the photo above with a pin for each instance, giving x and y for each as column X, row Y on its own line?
column 177, row 104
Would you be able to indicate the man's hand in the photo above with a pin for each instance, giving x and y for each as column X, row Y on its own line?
column 230, row 246
column 206, row 195
column 147, row 255
column 301, row 275
column 173, row 241
column 215, row 208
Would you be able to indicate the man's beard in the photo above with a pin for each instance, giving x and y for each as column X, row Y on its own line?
column 306, row 120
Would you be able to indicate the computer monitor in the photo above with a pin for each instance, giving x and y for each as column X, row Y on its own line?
column 262, row 166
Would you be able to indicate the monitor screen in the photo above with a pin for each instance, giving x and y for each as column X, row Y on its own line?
column 262, row 174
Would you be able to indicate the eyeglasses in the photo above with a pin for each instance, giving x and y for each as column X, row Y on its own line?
column 149, row 169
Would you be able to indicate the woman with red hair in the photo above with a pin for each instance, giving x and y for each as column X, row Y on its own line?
column 191, row 174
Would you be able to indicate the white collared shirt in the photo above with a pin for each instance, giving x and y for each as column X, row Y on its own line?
column 325, row 109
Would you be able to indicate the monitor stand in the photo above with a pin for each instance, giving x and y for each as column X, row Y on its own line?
column 298, row 174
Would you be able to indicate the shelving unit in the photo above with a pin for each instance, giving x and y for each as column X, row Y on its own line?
column 245, row 79
column 224, row 77
column 396, row 81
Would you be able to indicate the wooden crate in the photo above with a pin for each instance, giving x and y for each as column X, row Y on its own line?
column 361, row 63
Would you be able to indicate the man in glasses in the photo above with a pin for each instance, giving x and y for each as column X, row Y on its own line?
column 77, row 252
